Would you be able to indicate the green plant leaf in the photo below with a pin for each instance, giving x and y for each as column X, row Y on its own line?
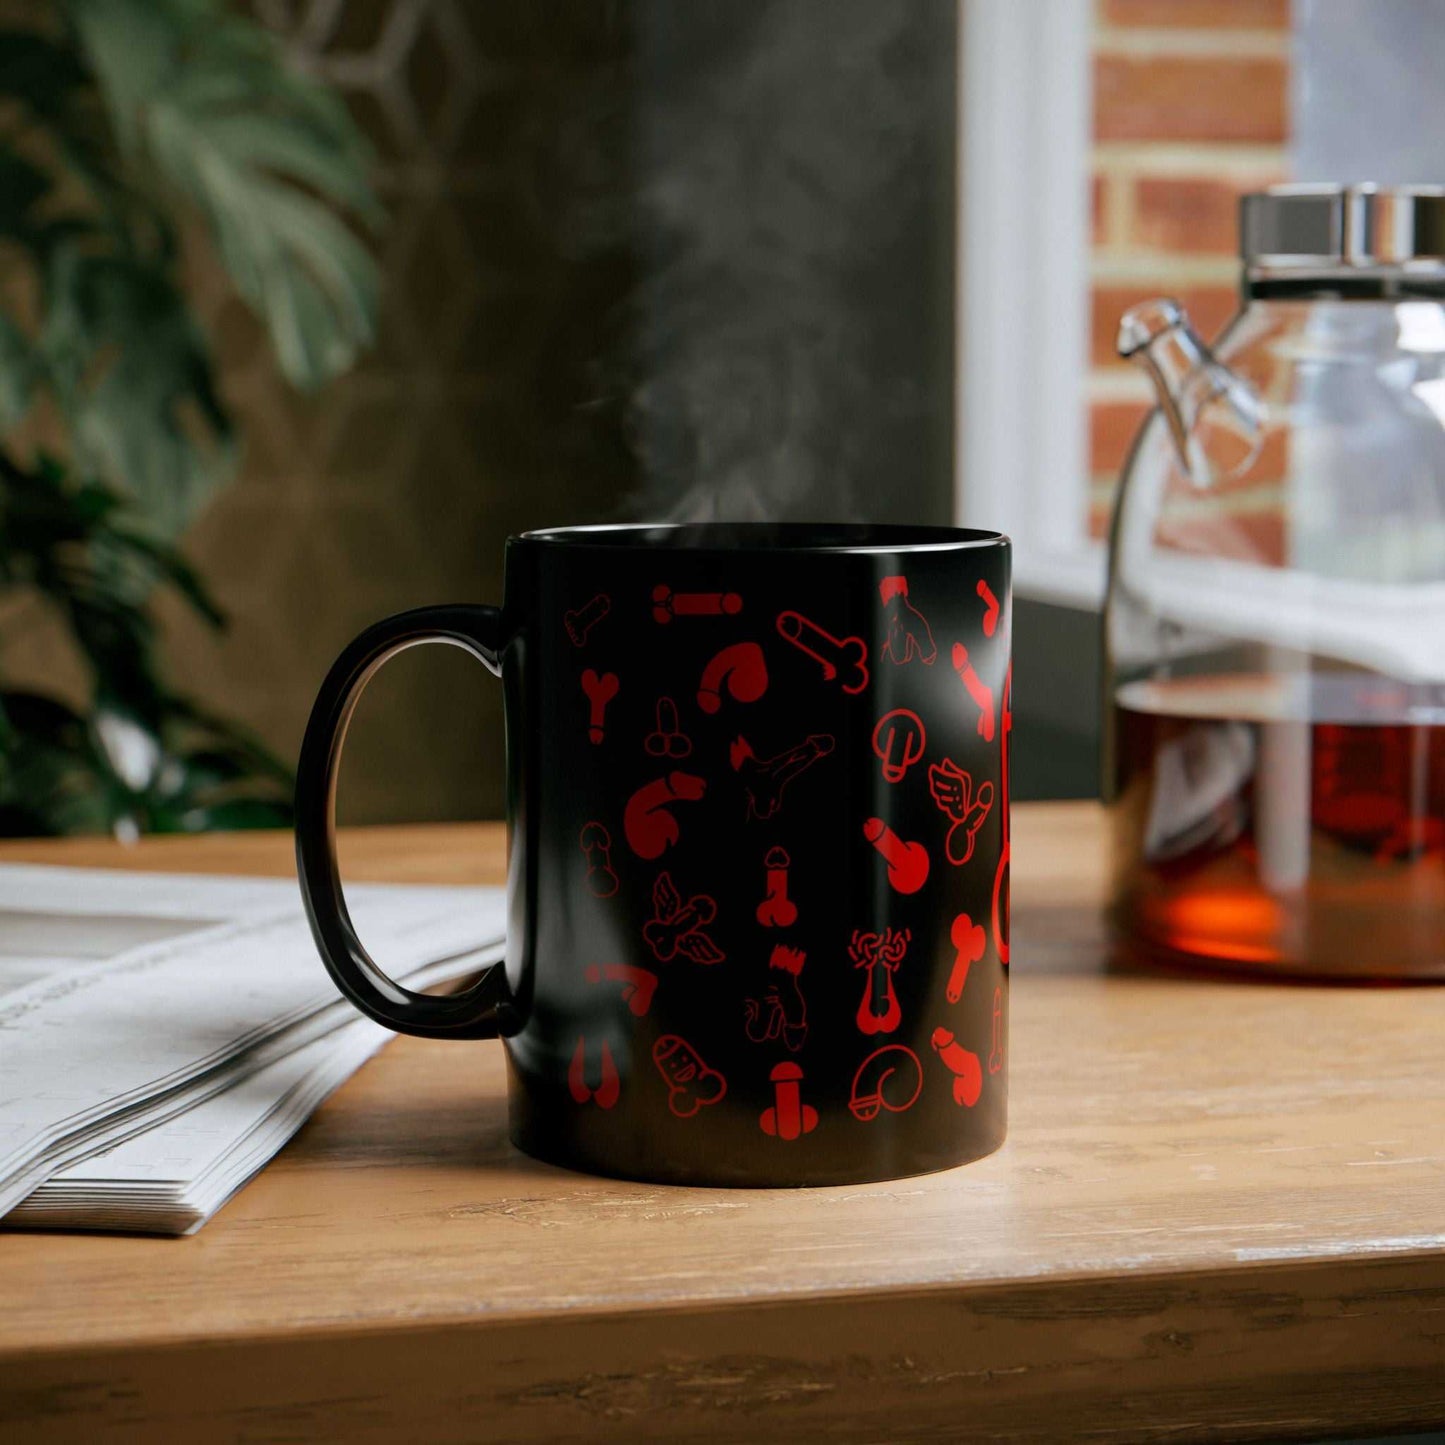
column 167, row 564
column 20, row 369
column 134, row 377
column 120, row 113
column 131, row 48
column 51, row 782
column 39, row 72
column 208, row 104
column 21, row 186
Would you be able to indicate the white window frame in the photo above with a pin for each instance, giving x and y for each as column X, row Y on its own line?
column 1021, row 330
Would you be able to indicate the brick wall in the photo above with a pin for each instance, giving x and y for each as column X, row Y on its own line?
column 1190, row 110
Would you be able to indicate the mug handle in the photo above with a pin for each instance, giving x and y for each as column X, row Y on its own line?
column 473, row 1013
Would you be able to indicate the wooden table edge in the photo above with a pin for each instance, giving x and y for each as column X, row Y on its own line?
column 1015, row 1360
column 953, row 1292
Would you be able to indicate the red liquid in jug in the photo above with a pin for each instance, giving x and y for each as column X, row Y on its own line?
column 1282, row 825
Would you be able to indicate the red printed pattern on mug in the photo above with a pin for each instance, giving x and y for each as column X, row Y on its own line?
column 596, row 844
column 963, row 1064
column 909, row 635
column 667, row 604
column 967, row 811
column 583, row 619
column 844, row 660
column 788, row 1117
column 777, row 910
column 599, row 691
column 898, row 742
column 608, row 1088
column 765, row 778
column 977, row 689
column 1001, row 871
column 879, row 954
column 648, row 819
column 990, row 607
column 889, row 1078
column 782, row 1012
column 995, row 1050
column 638, row 984
column 691, row 1084
column 968, row 941
column 907, row 862
column 677, row 924
column 740, row 671
column 667, row 740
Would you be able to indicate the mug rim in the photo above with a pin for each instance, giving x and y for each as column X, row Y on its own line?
column 781, row 537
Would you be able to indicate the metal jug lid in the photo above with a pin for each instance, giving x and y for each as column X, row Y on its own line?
column 1329, row 228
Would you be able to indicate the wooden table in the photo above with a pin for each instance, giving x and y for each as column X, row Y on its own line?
column 1221, row 1213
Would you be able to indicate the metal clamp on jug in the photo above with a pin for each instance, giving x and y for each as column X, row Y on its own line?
column 1275, row 624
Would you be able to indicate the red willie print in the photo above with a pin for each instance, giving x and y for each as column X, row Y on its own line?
column 777, row 910
column 677, row 925
column 638, row 984
column 648, row 821
column 599, row 692
column 754, row 857
column 739, row 670
column 788, row 1117
column 782, row 1012
column 963, row 1064
column 691, row 1084
column 609, row 1087
column 843, row 659
column 879, row 954
column 909, row 635
column 995, row 1045
column 596, row 844
column 952, row 790
column 889, row 1078
column 1001, row 872
column 907, row 862
column 969, row 942
column 990, row 607
column 581, row 621
column 765, row 778
column 977, row 689
column 667, row 604
column 667, row 740
column 898, row 742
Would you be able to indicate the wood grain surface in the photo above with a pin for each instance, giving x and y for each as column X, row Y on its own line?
column 1220, row 1215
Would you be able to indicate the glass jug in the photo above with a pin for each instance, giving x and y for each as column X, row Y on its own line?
column 1275, row 623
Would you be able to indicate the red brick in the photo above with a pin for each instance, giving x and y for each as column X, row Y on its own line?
column 1258, row 485
column 1209, row 307
column 1243, row 536
column 1200, row 14
column 1112, row 428
column 1271, row 466
column 1109, row 444
column 1187, row 214
column 1098, row 217
column 1100, row 515
column 1190, row 98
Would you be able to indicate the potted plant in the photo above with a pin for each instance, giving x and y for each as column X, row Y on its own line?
column 130, row 129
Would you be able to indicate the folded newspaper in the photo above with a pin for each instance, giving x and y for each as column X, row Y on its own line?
column 161, row 1037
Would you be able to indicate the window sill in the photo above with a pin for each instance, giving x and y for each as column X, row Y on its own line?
column 1064, row 578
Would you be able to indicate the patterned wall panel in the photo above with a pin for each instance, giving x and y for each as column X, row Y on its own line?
column 641, row 258
column 475, row 416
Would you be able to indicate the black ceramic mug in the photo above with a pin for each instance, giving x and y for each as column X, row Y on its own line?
column 759, row 860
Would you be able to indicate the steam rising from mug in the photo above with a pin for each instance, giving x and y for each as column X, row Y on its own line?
column 787, row 341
